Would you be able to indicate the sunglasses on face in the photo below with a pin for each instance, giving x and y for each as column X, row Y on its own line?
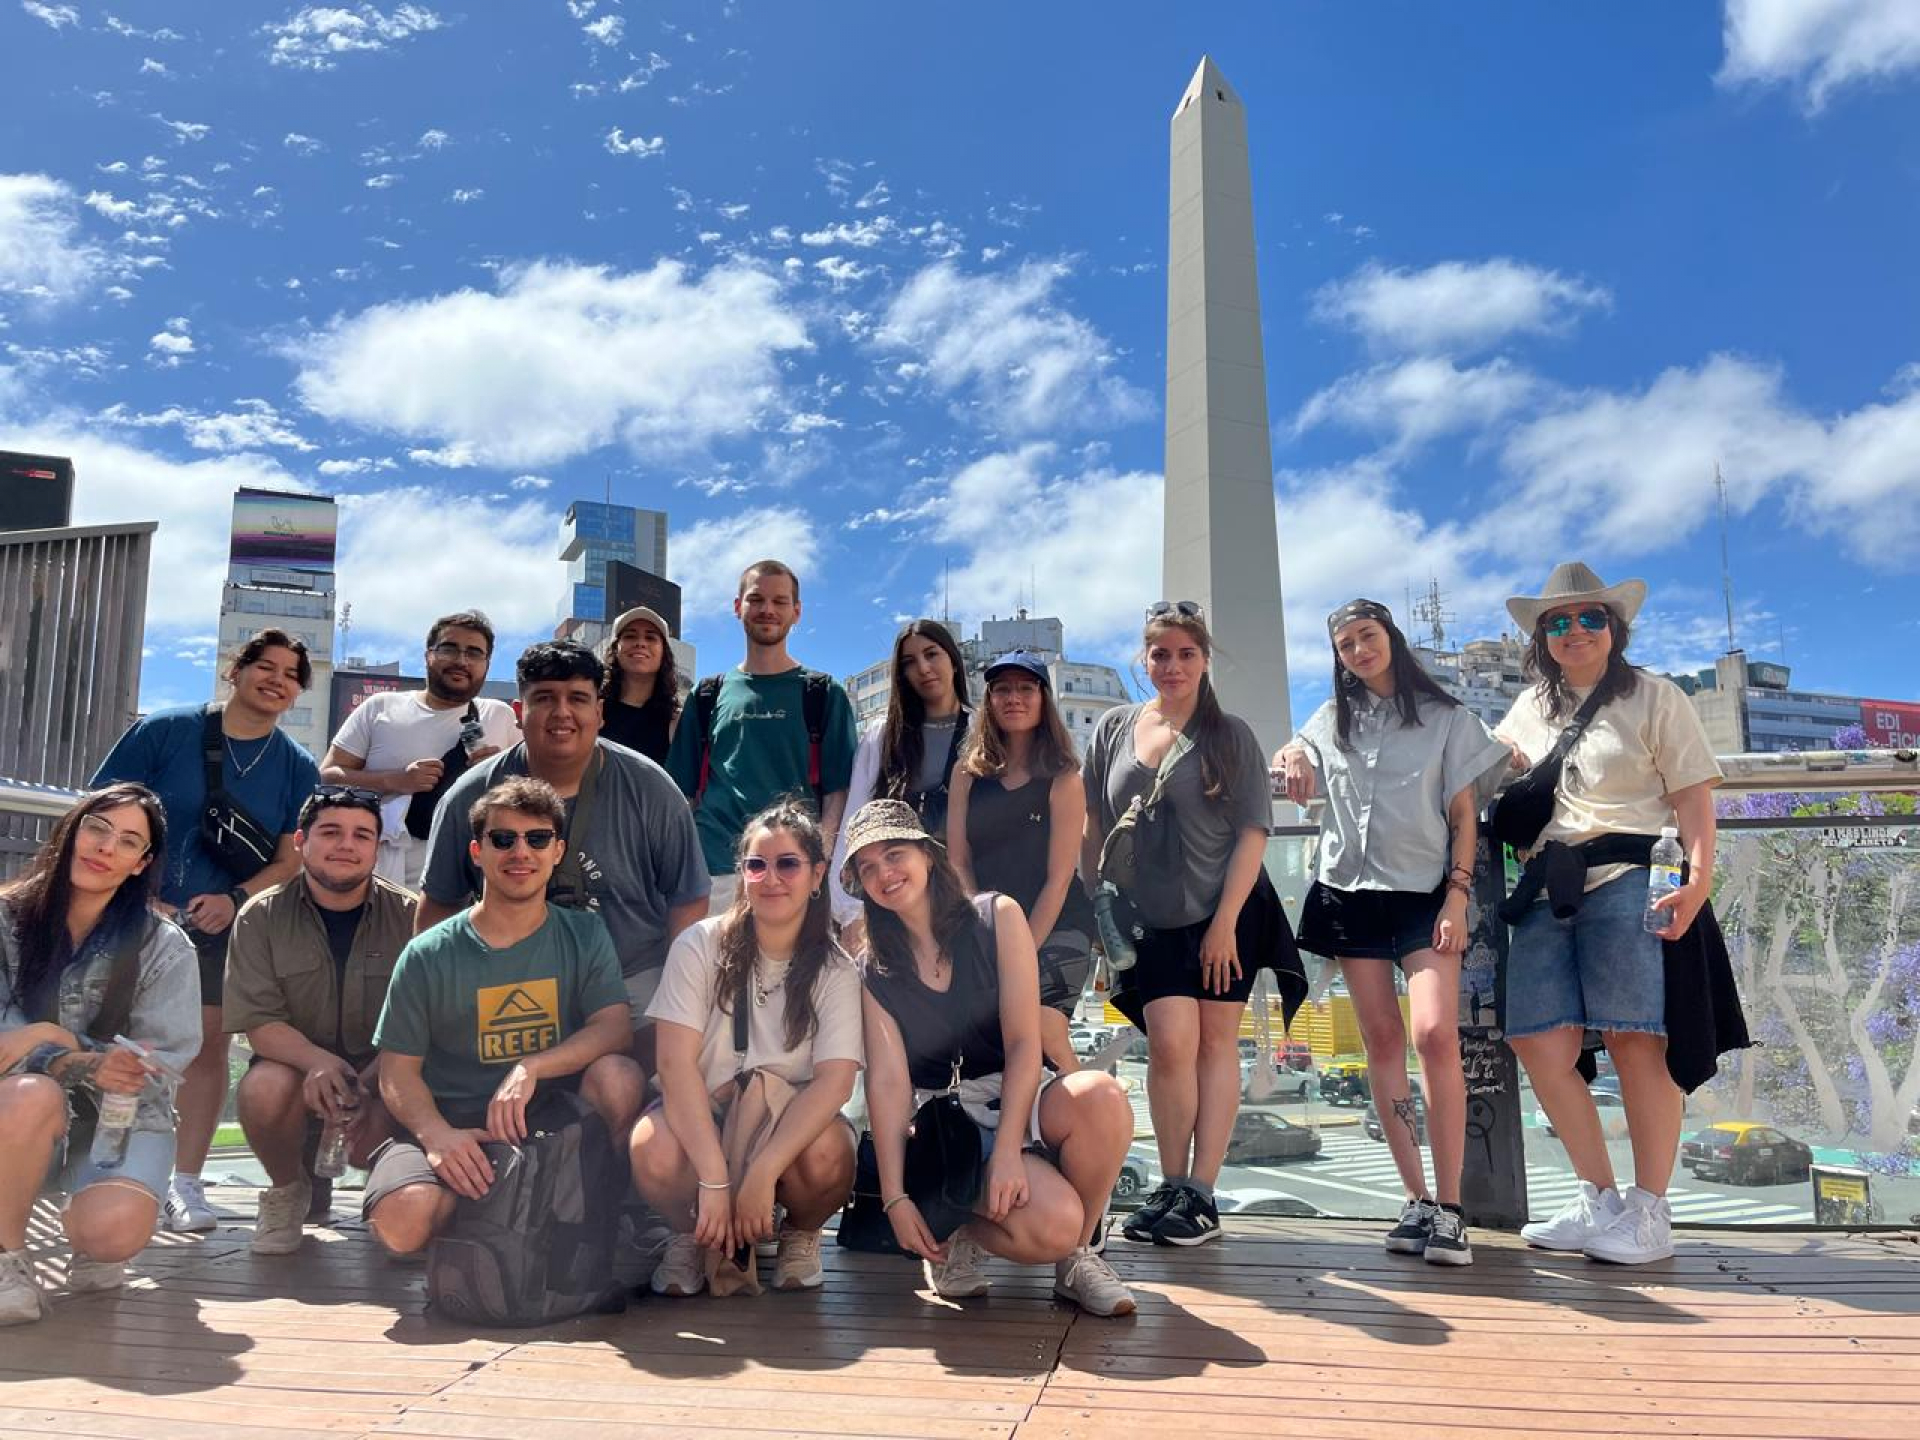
column 755, row 867
column 98, row 828
column 1594, row 619
column 536, row 839
column 1185, row 609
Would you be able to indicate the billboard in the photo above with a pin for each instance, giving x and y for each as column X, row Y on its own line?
column 350, row 687
column 629, row 585
column 1890, row 724
column 286, row 531
column 36, row 491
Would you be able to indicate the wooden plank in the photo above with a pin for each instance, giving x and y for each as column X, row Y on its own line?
column 23, row 1421
column 506, row 1419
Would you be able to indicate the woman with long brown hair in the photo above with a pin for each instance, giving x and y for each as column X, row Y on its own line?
column 83, row 959
column 1014, row 826
column 772, row 956
column 1208, row 916
column 640, row 698
column 910, row 755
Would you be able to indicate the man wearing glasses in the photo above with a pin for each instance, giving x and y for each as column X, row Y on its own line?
column 487, row 1010
column 307, row 972
column 409, row 746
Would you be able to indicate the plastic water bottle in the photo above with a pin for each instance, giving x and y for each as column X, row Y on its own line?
column 109, row 1150
column 1663, row 878
column 1116, row 942
column 330, row 1160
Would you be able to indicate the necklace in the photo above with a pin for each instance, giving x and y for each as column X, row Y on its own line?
column 241, row 771
column 763, row 989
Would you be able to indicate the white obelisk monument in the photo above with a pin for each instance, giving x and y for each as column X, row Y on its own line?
column 1220, row 536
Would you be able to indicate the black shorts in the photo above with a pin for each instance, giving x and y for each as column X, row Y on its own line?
column 1064, row 962
column 1169, row 963
column 400, row 1161
column 212, row 953
column 1368, row 924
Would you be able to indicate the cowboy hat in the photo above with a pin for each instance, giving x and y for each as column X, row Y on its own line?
column 1574, row 583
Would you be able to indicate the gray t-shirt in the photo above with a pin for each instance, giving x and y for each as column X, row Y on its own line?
column 1209, row 828
column 936, row 746
column 640, row 857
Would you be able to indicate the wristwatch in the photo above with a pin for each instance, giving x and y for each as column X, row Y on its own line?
column 239, row 896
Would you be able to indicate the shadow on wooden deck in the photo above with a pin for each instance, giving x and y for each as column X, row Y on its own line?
column 1294, row 1328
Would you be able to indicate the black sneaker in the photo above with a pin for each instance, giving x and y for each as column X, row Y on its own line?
column 1140, row 1225
column 1447, row 1244
column 1415, row 1229
column 1193, row 1220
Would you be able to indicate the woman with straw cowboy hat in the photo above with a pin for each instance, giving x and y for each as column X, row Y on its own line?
column 1616, row 755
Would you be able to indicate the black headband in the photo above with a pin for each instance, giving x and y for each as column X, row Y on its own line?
column 1357, row 610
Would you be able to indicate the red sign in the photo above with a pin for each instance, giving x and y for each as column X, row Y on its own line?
column 1890, row 725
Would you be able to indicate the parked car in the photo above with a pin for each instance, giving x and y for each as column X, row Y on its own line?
column 1291, row 1207
column 1295, row 1055
column 1135, row 1179
column 1743, row 1152
column 1343, row 1080
column 1262, row 1139
column 1287, row 1084
column 1613, row 1112
column 1375, row 1131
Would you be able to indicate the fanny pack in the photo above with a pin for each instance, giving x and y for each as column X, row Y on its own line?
column 1523, row 809
column 1142, row 855
column 239, row 844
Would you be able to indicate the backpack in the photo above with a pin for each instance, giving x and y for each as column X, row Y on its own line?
column 538, row 1246
column 815, row 687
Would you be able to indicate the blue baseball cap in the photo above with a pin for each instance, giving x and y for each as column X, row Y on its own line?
column 1024, row 660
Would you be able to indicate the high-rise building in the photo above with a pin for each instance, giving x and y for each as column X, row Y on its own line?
column 1083, row 690
column 280, row 574
column 594, row 533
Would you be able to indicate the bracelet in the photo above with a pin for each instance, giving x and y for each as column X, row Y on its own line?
column 714, row 1184
column 1461, row 870
column 1460, row 887
column 887, row 1205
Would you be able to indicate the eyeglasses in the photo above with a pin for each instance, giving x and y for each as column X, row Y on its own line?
column 1026, row 689
column 352, row 794
column 507, row 839
column 447, row 650
column 1594, row 619
column 97, row 828
column 1185, row 609
column 755, row 867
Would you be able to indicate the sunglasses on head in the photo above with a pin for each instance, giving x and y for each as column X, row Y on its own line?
column 1185, row 609
column 755, row 867
column 536, row 839
column 353, row 794
column 1593, row 618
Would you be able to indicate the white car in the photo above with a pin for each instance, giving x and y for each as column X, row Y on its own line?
column 1613, row 1115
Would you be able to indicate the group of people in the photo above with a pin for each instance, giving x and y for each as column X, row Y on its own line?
column 646, row 896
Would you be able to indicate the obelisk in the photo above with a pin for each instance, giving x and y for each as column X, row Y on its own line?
column 1221, row 545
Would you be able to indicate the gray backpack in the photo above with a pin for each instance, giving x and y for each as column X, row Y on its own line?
column 538, row 1246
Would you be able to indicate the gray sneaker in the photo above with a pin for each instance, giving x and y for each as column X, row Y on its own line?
column 682, row 1269
column 87, row 1276
column 1447, row 1240
column 959, row 1276
column 1088, row 1280
column 1410, row 1236
column 283, row 1210
column 20, row 1302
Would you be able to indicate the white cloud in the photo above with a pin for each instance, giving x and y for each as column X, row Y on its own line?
column 1417, row 400
column 1866, row 486
column 640, row 147
column 708, row 556
column 251, row 425
column 839, row 270
column 57, row 16
column 357, row 465
column 186, row 132
column 131, row 32
column 382, row 181
column 861, row 234
column 314, row 38
column 466, row 197
column 1819, row 46
column 1454, row 306
column 1001, row 343
column 41, row 253
column 434, row 139
column 561, row 360
column 151, row 66
column 608, row 29
column 301, row 144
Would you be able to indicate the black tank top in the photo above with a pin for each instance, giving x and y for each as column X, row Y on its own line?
column 638, row 727
column 933, row 1023
column 1008, row 833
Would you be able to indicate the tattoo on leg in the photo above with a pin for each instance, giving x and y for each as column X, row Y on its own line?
column 1403, row 1110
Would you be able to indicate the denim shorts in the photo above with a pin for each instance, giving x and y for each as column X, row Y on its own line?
column 148, row 1163
column 1600, row 969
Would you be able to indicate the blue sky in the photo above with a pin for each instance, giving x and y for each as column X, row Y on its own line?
column 881, row 289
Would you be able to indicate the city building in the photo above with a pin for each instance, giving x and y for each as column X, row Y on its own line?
column 616, row 558
column 1486, row 676
column 280, row 574
column 1750, row 706
column 1083, row 690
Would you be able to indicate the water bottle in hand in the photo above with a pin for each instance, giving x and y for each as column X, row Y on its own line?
column 110, row 1134
column 330, row 1160
column 1663, row 879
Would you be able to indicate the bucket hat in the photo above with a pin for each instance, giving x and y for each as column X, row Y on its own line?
column 872, row 823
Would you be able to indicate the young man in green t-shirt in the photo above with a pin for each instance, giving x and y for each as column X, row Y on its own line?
column 757, row 748
column 486, row 1008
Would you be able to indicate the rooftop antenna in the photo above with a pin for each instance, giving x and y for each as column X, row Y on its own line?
column 1726, row 567
column 609, row 487
column 346, row 628
column 1429, row 610
column 946, row 599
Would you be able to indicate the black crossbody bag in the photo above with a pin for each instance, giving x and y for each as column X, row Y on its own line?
column 1523, row 809
column 239, row 844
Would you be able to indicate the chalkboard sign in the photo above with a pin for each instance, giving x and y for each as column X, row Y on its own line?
column 1494, row 1179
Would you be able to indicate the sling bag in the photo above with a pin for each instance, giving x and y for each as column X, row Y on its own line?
column 453, row 765
column 1523, row 809
column 239, row 844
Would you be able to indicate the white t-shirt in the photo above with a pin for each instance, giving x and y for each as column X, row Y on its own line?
column 391, row 730
column 1637, row 750
column 686, row 997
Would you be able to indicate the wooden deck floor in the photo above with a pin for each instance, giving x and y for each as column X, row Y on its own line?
column 1288, row 1328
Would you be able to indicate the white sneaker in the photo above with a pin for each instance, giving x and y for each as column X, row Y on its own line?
column 1088, row 1280
column 283, row 1211
column 1642, row 1231
column 86, row 1276
column 682, row 1269
column 20, row 1302
column 796, row 1263
column 1589, row 1212
column 959, row 1276
column 187, row 1211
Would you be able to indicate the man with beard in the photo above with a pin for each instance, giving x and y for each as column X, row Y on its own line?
column 631, row 853
column 262, row 778
column 767, row 729
column 410, row 746
column 307, row 973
